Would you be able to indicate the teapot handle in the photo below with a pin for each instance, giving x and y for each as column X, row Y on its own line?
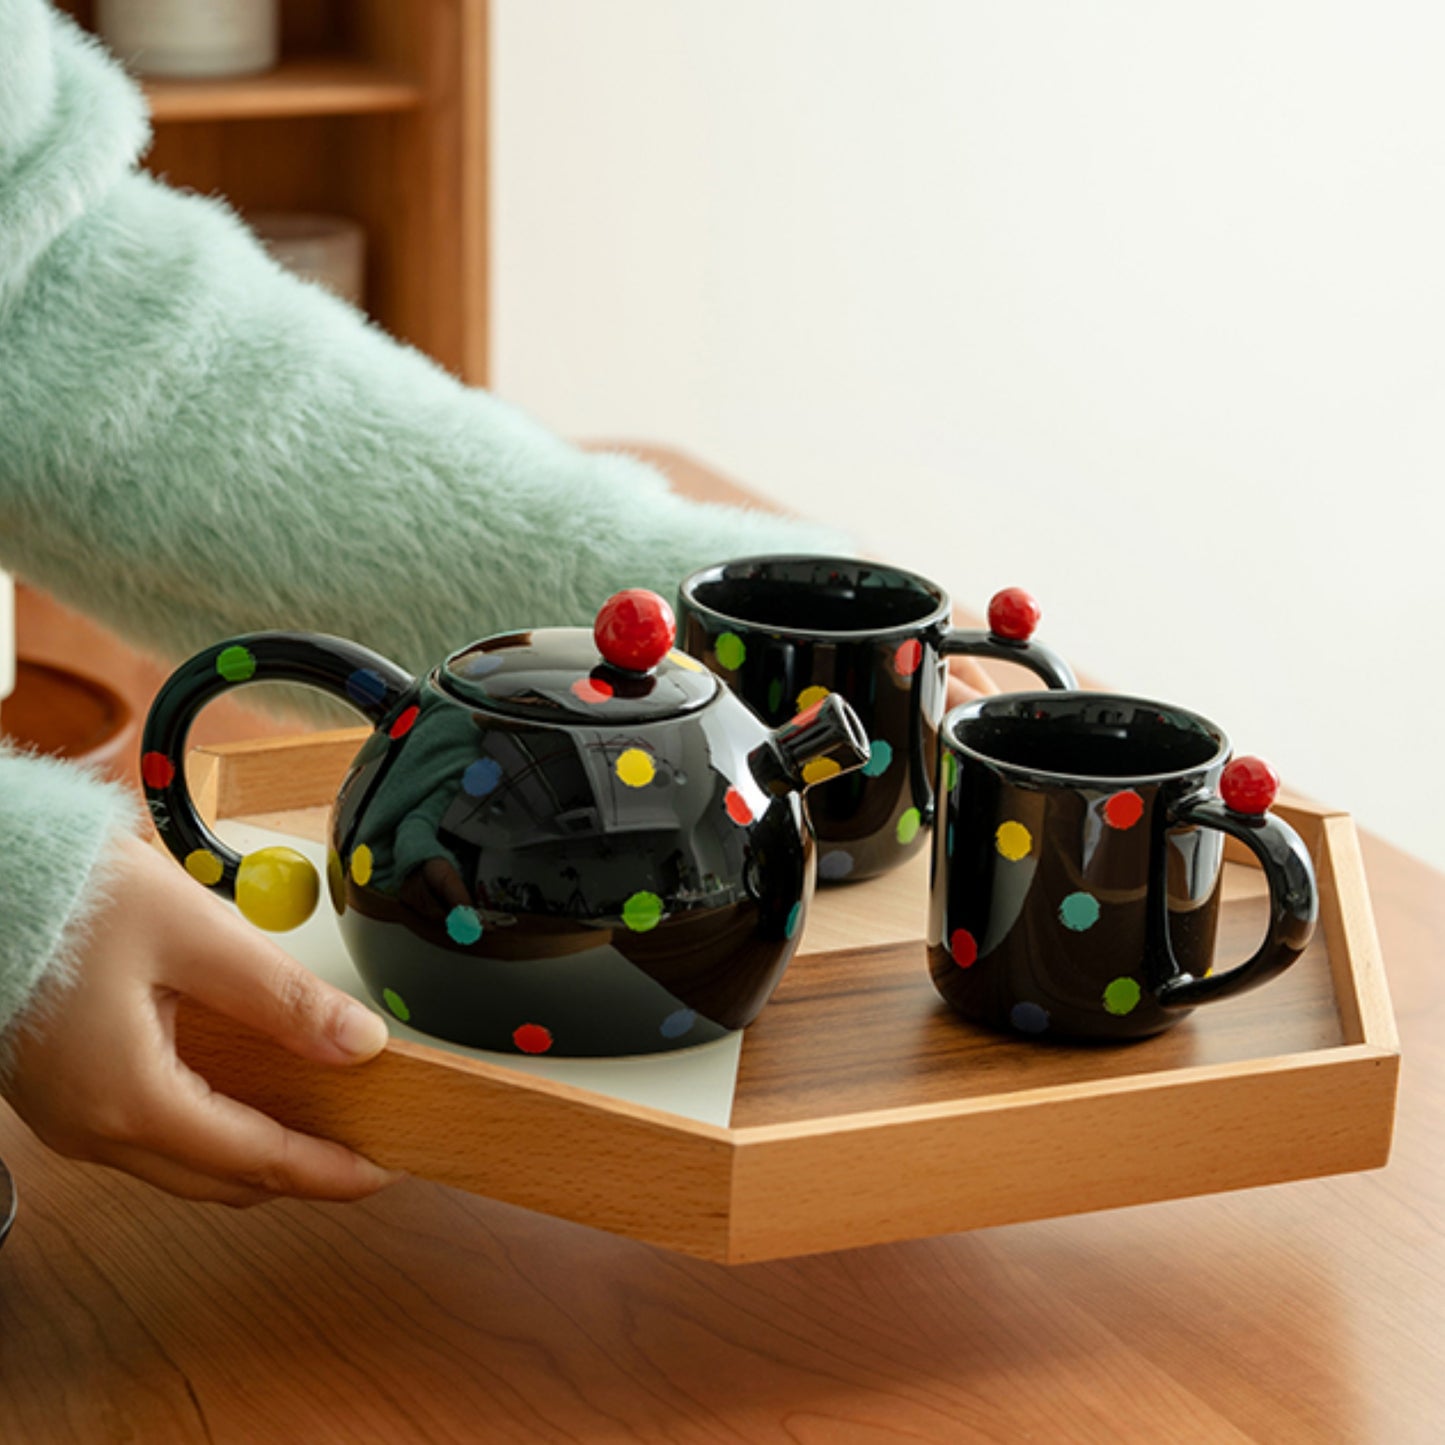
column 276, row 888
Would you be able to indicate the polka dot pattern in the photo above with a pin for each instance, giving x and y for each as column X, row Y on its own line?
column 880, row 754
column 157, row 770
column 1124, row 809
column 481, row 777
column 908, row 825
column 819, row 770
column 1079, row 912
column 636, row 768
column 592, row 690
column 204, row 867
column 835, row 864
column 908, row 657
column 737, row 808
column 532, row 1038
column 730, row 651
column 642, row 912
column 963, row 947
column 684, row 661
column 950, row 772
column 463, row 925
column 810, row 699
column 396, row 1004
column 1122, row 996
column 366, row 688
column 775, row 695
column 361, row 866
column 1029, row 1018
column 335, row 880
column 676, row 1024
column 236, row 664
column 1013, row 841
column 795, row 915
column 405, row 722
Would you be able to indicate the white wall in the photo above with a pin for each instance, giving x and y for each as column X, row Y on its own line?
column 1139, row 306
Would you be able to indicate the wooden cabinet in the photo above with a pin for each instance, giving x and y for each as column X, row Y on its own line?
column 378, row 111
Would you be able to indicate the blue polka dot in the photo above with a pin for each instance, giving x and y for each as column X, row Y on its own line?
column 675, row 1025
column 1029, row 1018
column 481, row 777
column 463, row 925
column 880, row 755
column 791, row 926
column 837, row 864
column 366, row 688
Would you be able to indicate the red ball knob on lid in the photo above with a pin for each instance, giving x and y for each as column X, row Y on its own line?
column 634, row 629
column 1249, row 785
column 1013, row 614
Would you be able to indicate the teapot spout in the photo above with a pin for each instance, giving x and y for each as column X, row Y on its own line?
column 820, row 743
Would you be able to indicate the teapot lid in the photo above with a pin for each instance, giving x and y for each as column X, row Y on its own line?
column 624, row 671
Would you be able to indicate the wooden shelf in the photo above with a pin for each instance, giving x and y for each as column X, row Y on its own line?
column 336, row 86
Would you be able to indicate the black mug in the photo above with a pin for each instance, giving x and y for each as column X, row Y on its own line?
column 1077, row 865
column 783, row 632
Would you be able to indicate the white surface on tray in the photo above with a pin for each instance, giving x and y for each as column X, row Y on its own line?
column 697, row 1083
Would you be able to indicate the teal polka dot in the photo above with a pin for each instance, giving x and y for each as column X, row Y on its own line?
column 1122, row 996
column 730, row 651
column 908, row 825
column 463, row 925
column 791, row 926
column 1079, row 911
column 642, row 912
column 236, row 664
column 879, row 756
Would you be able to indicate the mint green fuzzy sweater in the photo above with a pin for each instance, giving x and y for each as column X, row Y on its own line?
column 194, row 444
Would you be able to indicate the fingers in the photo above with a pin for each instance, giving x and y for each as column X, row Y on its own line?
column 968, row 679
column 215, row 1147
column 236, row 972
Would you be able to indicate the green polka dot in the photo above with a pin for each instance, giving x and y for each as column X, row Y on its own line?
column 1079, row 911
column 775, row 694
column 730, row 651
column 236, row 664
column 396, row 1004
column 950, row 771
column 1121, row 996
column 908, row 825
column 641, row 912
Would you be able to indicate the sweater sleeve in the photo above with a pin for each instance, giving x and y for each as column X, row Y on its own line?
column 195, row 443
column 60, row 825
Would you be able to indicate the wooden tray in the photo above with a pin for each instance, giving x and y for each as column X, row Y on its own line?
column 864, row 1111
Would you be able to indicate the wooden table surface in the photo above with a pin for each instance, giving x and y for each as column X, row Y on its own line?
column 1304, row 1312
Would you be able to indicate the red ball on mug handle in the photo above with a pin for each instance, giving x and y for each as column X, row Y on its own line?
column 1249, row 786
column 1013, row 614
column 634, row 630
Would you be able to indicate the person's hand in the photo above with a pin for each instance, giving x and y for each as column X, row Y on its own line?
column 99, row 1079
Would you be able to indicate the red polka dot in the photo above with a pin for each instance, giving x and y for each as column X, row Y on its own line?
column 737, row 807
column 157, row 770
column 908, row 656
column 532, row 1039
column 963, row 946
column 402, row 726
column 592, row 690
column 1124, row 809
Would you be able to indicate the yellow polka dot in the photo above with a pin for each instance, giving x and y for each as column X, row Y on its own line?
column 1014, row 841
column 816, row 769
column 683, row 660
column 636, row 768
column 204, row 866
column 361, row 865
column 810, row 695
column 277, row 888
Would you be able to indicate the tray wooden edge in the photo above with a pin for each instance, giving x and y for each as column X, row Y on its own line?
column 740, row 1195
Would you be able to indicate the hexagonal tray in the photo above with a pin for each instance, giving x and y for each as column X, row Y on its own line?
column 862, row 1109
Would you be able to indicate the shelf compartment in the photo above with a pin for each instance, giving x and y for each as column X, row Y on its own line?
column 302, row 87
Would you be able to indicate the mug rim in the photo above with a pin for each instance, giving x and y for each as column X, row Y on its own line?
column 967, row 711
column 716, row 572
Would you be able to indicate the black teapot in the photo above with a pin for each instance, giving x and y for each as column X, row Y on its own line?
column 555, row 842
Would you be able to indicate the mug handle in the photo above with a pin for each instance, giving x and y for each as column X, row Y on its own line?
column 1247, row 788
column 1012, row 616
column 365, row 680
